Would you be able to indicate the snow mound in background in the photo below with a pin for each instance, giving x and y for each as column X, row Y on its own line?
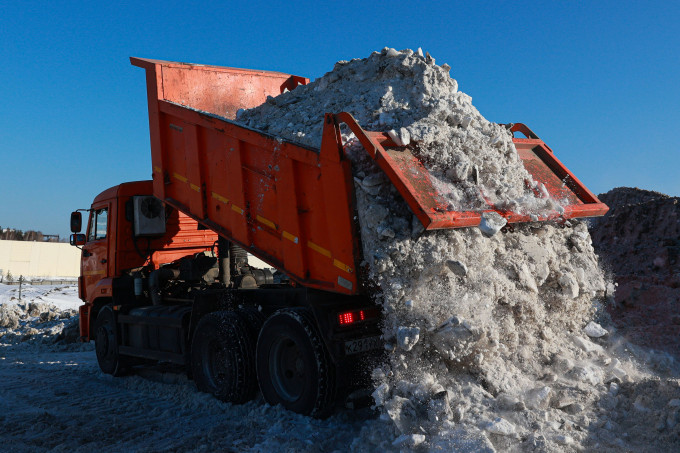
column 486, row 339
column 44, row 316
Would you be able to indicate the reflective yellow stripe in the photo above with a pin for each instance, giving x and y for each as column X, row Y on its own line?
column 290, row 237
column 236, row 208
column 319, row 249
column 219, row 197
column 180, row 177
column 343, row 266
column 88, row 273
column 267, row 222
column 195, row 187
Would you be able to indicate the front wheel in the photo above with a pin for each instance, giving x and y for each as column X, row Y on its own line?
column 106, row 344
column 294, row 368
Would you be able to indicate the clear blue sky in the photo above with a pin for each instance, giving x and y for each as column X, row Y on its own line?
column 598, row 81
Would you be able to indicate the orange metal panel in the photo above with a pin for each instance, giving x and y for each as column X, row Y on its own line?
column 414, row 182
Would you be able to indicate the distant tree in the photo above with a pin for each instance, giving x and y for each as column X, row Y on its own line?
column 10, row 234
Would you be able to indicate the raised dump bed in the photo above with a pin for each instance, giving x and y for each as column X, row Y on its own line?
column 286, row 203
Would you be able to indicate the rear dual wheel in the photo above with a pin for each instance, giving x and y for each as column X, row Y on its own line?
column 294, row 368
column 222, row 357
column 290, row 362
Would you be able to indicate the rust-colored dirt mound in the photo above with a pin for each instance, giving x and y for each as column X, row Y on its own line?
column 639, row 242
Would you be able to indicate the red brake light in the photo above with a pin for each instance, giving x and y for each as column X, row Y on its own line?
column 351, row 317
column 346, row 318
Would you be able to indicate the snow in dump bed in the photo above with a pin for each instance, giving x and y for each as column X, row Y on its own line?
column 417, row 102
column 490, row 335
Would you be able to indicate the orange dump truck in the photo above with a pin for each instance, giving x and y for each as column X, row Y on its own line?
column 165, row 271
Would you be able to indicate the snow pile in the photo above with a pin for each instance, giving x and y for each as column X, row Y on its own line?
column 416, row 101
column 44, row 315
column 489, row 334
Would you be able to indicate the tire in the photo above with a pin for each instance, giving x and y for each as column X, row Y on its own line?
column 294, row 368
column 254, row 319
column 222, row 361
column 106, row 344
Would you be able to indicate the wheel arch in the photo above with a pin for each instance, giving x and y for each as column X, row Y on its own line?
column 91, row 317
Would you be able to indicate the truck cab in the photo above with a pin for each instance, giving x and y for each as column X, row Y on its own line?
column 127, row 230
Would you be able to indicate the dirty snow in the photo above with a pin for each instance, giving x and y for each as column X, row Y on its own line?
column 407, row 95
column 497, row 341
column 53, row 397
column 489, row 334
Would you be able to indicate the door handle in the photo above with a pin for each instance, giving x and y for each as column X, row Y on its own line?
column 104, row 261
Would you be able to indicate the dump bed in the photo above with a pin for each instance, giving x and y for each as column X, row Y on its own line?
column 285, row 203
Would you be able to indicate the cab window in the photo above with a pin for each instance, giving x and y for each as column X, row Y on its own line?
column 98, row 224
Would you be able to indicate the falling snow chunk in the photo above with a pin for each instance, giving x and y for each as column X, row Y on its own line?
column 456, row 267
column 408, row 440
column 407, row 337
column 491, row 223
column 563, row 439
column 538, row 398
column 380, row 394
column 594, row 330
column 401, row 137
column 586, row 345
column 501, row 427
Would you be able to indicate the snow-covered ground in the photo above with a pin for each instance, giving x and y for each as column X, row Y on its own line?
column 53, row 397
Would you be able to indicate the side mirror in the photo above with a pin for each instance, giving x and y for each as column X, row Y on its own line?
column 77, row 239
column 76, row 222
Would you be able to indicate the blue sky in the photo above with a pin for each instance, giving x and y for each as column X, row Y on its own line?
column 598, row 81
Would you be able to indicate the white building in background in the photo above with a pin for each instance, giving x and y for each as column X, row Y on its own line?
column 39, row 259
column 51, row 259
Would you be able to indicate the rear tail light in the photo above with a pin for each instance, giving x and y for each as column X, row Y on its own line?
column 355, row 316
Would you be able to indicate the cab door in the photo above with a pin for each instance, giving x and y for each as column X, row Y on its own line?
column 96, row 251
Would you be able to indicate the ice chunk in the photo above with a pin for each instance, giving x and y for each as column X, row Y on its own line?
column 569, row 284
column 456, row 267
column 380, row 394
column 538, row 398
column 402, row 412
column 501, row 427
column 402, row 137
column 408, row 440
column 392, row 52
column 491, row 223
column 407, row 337
column 594, row 330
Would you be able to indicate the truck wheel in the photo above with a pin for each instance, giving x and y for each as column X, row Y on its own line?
column 106, row 344
column 222, row 357
column 254, row 320
column 294, row 368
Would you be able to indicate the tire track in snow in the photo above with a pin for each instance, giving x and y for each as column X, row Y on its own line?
column 62, row 402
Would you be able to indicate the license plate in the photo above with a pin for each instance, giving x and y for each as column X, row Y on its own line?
column 362, row 345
